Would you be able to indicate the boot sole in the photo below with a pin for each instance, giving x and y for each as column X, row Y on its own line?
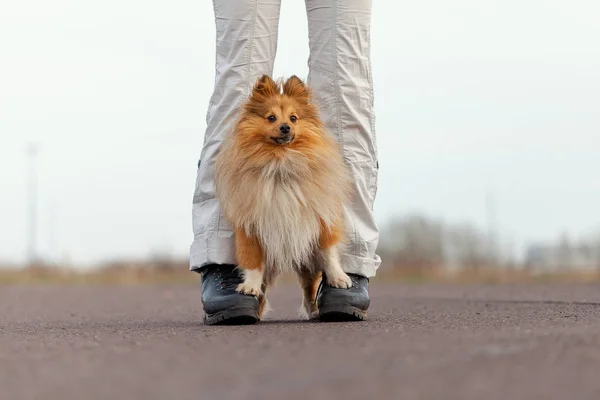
column 232, row 316
column 341, row 313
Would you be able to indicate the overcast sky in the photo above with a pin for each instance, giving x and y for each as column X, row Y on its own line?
column 471, row 96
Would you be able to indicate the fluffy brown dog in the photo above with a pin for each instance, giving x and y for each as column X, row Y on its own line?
column 282, row 184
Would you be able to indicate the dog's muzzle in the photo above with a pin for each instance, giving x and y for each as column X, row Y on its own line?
column 284, row 139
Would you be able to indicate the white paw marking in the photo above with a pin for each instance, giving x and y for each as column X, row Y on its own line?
column 331, row 266
column 252, row 283
column 248, row 288
column 339, row 280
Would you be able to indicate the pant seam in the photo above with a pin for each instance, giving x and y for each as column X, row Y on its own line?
column 246, row 82
column 211, row 101
column 372, row 116
column 338, row 100
column 338, row 107
column 250, row 48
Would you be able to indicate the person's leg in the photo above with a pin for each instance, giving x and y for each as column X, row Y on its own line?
column 246, row 43
column 341, row 79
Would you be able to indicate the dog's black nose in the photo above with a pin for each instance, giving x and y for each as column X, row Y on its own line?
column 284, row 129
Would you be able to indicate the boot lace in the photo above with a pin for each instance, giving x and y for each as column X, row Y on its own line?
column 226, row 279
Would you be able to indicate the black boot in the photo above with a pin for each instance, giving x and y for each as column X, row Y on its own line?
column 222, row 304
column 344, row 304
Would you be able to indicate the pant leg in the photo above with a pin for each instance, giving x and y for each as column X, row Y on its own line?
column 340, row 75
column 246, row 46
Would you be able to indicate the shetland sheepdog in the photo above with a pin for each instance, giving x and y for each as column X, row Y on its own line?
column 282, row 184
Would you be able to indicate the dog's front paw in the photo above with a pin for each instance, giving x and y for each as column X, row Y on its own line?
column 253, row 279
column 339, row 280
column 249, row 288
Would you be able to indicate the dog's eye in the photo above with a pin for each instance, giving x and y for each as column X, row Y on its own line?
column 293, row 118
column 271, row 118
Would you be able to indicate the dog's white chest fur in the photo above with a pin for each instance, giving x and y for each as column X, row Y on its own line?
column 287, row 221
column 288, row 226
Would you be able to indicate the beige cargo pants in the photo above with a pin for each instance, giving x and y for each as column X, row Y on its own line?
column 340, row 75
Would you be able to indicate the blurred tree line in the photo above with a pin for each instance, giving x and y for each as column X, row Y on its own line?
column 418, row 243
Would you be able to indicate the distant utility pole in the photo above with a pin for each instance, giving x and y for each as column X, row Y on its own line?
column 32, row 152
column 490, row 205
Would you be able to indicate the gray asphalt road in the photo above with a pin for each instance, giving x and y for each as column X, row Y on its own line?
column 421, row 342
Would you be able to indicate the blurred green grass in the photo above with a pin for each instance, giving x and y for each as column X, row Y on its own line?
column 177, row 272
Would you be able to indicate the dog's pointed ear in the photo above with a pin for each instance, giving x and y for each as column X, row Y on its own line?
column 294, row 87
column 264, row 88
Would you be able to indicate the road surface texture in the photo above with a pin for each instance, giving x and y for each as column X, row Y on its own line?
column 421, row 342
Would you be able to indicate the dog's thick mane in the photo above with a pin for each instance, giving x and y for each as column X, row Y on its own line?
column 283, row 199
